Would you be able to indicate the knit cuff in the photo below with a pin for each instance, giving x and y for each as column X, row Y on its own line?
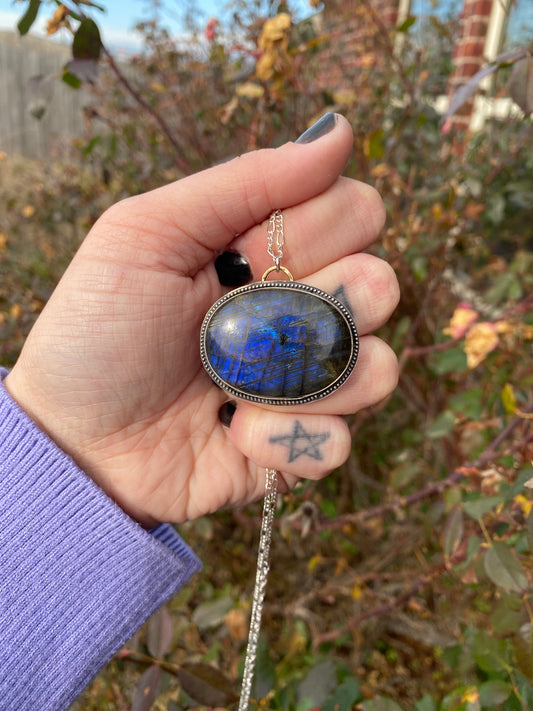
column 77, row 575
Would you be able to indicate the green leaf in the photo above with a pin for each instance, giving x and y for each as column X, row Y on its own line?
column 523, row 650
column 381, row 703
column 318, row 684
column 452, row 360
column 442, row 425
column 504, row 569
column 490, row 654
column 505, row 620
column 87, row 43
column 206, row 685
column 426, row 703
column 265, row 670
column 407, row 24
column 477, row 508
column 468, row 404
column 348, row 693
column 212, row 613
column 492, row 693
column 29, row 17
column 71, row 80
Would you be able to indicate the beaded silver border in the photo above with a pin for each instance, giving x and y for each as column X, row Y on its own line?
column 304, row 399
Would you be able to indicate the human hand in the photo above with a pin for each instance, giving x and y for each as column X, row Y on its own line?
column 112, row 372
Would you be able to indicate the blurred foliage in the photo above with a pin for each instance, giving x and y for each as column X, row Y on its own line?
column 403, row 581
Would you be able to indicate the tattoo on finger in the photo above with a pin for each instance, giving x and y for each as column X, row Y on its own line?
column 299, row 442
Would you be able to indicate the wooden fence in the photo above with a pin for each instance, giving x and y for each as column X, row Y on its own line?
column 22, row 97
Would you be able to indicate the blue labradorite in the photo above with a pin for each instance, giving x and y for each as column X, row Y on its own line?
column 279, row 343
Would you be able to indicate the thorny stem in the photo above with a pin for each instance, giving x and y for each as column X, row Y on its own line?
column 179, row 157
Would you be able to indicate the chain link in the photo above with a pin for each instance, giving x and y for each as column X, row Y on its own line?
column 275, row 237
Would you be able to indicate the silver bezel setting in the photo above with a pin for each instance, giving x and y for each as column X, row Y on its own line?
column 283, row 401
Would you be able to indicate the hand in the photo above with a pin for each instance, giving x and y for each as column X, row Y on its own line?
column 112, row 372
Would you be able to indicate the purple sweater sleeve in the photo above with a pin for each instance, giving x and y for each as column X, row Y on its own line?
column 77, row 575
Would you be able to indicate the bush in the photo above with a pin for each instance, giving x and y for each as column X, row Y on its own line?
column 404, row 580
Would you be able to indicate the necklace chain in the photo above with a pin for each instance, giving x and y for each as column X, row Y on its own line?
column 275, row 244
column 276, row 237
column 261, row 576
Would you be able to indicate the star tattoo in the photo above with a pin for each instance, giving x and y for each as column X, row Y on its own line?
column 300, row 442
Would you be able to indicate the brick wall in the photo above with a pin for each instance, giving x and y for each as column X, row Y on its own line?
column 468, row 56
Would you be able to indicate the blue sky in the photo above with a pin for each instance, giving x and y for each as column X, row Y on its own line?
column 121, row 16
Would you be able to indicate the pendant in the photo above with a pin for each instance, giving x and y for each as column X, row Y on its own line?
column 279, row 343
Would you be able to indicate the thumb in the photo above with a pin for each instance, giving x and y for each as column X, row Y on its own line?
column 205, row 211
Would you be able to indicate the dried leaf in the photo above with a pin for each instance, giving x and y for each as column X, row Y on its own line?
column 521, row 84
column 250, row 90
column 463, row 317
column 480, row 340
column 453, row 532
column 146, row 690
column 206, row 685
column 54, row 24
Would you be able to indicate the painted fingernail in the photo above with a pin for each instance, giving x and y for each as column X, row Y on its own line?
column 324, row 125
column 226, row 412
column 233, row 269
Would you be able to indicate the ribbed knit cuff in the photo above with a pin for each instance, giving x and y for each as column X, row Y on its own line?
column 77, row 576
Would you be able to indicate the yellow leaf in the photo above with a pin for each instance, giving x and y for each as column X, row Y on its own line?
column 480, row 340
column 525, row 504
column 157, row 86
column 463, row 317
column 357, row 592
column 59, row 16
column 3, row 241
column 380, row 171
column 250, row 90
column 28, row 211
column 345, row 96
column 471, row 695
column 508, row 399
column 264, row 67
column 275, row 30
column 313, row 562
column 15, row 311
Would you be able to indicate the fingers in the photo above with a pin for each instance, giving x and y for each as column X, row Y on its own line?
column 343, row 220
column 187, row 220
column 365, row 284
column 299, row 445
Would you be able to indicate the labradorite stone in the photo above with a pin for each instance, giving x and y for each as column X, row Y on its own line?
column 279, row 342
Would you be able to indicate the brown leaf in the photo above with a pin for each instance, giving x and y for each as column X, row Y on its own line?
column 146, row 690
column 206, row 685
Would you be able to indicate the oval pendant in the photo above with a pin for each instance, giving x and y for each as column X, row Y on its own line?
column 279, row 343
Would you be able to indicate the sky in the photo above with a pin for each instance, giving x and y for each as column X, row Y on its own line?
column 121, row 16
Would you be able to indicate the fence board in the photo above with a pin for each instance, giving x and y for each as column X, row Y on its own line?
column 22, row 58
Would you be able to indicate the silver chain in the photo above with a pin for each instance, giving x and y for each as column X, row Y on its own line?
column 275, row 237
column 261, row 576
column 275, row 243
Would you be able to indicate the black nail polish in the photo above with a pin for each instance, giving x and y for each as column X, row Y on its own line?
column 324, row 125
column 226, row 412
column 233, row 269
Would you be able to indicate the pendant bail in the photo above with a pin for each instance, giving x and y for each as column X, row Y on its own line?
column 276, row 268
